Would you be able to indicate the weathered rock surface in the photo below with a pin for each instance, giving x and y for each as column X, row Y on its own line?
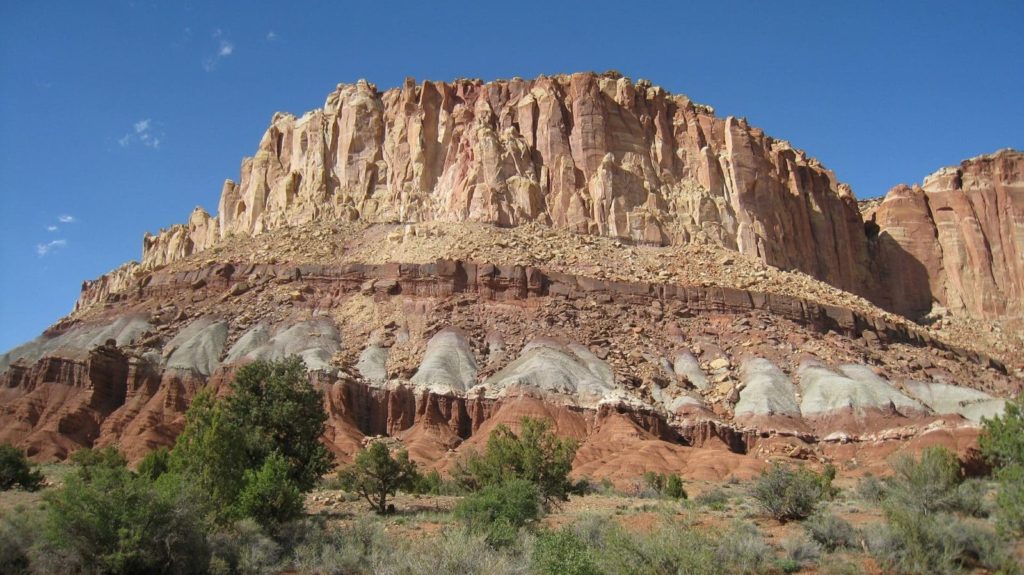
column 957, row 241
column 589, row 153
column 572, row 255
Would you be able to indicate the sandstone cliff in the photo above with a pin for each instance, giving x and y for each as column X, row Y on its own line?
column 594, row 154
column 957, row 241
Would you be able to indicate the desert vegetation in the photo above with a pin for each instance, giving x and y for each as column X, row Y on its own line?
column 247, row 489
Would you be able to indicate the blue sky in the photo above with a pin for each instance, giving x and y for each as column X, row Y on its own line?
column 120, row 117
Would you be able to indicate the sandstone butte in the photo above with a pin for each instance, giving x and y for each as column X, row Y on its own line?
column 677, row 291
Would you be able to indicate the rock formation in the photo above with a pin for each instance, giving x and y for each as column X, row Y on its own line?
column 587, row 153
column 957, row 241
column 674, row 290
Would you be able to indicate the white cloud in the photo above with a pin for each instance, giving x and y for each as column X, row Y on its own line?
column 44, row 249
column 271, row 36
column 66, row 219
column 225, row 48
column 142, row 133
column 51, row 228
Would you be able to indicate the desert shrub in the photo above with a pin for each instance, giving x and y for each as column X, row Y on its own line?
column 788, row 493
column 800, row 552
column 674, row 487
column 1002, row 437
column 16, row 471
column 88, row 460
column 245, row 548
column 108, row 520
column 455, row 551
column 742, row 550
column 498, row 511
column 937, row 543
column 1002, row 445
column 837, row 564
column 353, row 549
column 1010, row 501
column 870, row 489
column 155, row 463
column 927, row 483
column 268, row 495
column 433, row 483
column 715, row 499
column 830, row 531
column 972, row 498
column 663, row 485
column 376, row 475
column 19, row 534
column 562, row 552
column 672, row 547
column 535, row 454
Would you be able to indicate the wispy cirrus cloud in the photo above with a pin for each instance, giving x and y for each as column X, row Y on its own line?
column 66, row 219
column 224, row 48
column 42, row 250
column 142, row 132
column 51, row 228
column 271, row 36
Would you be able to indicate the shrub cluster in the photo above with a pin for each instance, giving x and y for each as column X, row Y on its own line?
column 788, row 493
column 16, row 471
column 928, row 527
column 1002, row 444
column 665, row 485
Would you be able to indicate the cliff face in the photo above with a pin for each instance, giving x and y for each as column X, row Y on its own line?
column 957, row 241
column 585, row 153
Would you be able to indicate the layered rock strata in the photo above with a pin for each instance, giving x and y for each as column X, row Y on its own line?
column 438, row 354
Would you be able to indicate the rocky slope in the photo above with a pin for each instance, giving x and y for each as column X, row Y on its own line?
column 672, row 289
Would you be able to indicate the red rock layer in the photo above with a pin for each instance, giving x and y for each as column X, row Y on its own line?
column 957, row 241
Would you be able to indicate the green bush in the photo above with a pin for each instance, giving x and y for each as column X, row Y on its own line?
column 244, row 547
column 562, row 552
column 801, row 552
column 870, row 489
column 831, row 532
column 107, row 520
column 376, row 475
column 272, row 408
column 742, row 550
column 535, row 454
column 715, row 499
column 928, row 483
column 1002, row 445
column 939, row 543
column 88, row 460
column 787, row 493
column 155, row 463
column 19, row 535
column 498, row 511
column 662, row 485
column 16, row 471
column 353, row 549
column 269, row 496
column 1010, row 501
column 455, row 551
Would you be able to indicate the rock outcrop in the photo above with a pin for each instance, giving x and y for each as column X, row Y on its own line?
column 447, row 258
column 594, row 154
column 957, row 241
